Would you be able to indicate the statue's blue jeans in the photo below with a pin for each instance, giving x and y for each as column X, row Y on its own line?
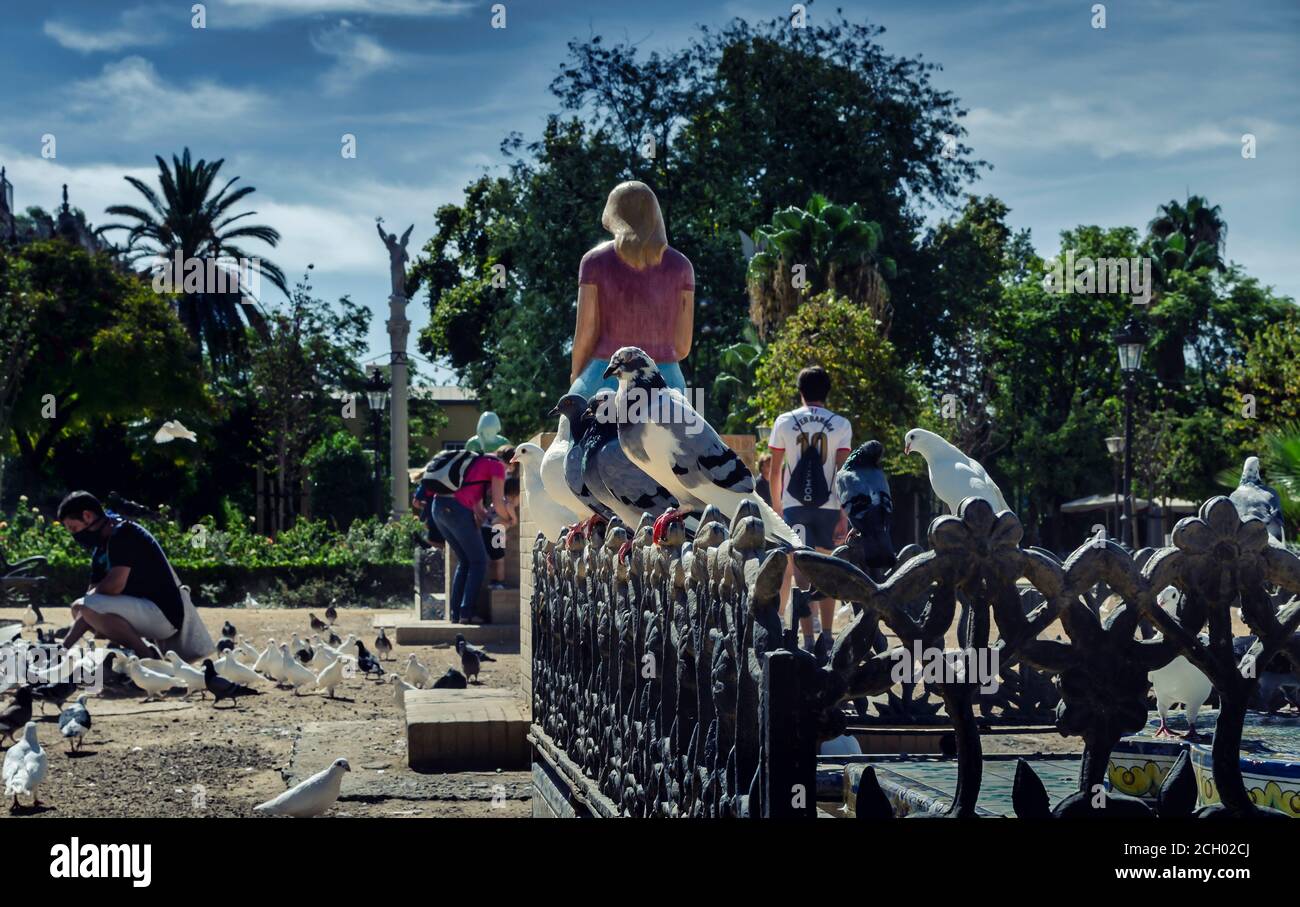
column 456, row 523
column 590, row 380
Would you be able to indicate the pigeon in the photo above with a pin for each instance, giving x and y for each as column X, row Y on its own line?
column 173, row 430
column 400, row 687
column 368, row 663
column 25, row 767
column 74, row 722
column 228, row 630
column 383, row 646
column 296, row 674
column 552, row 470
column 334, row 639
column 231, row 669
column 221, row 688
column 154, row 683
column 581, row 423
column 662, row 433
column 863, row 491
column 331, row 613
column 317, row 624
column 190, row 676
column 157, row 665
column 54, row 693
column 308, row 798
column 1178, row 681
column 225, row 645
column 268, row 662
column 615, row 480
column 17, row 713
column 416, row 673
column 1256, row 501
column 469, row 660
column 330, row 677
column 953, row 475
column 481, row 652
column 549, row 515
column 452, row 680
column 33, row 616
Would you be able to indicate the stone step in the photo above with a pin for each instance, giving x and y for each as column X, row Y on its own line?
column 475, row 729
column 406, row 632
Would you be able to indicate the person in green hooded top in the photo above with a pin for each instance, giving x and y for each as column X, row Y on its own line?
column 489, row 438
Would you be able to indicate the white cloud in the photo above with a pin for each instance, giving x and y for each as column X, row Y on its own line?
column 136, row 28
column 356, row 55
column 135, row 102
column 251, row 13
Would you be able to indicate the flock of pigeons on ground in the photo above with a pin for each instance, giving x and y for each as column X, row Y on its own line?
column 239, row 669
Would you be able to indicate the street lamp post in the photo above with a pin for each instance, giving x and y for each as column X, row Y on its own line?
column 377, row 400
column 1115, row 447
column 1129, row 342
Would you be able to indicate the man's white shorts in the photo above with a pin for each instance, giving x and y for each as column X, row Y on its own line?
column 143, row 615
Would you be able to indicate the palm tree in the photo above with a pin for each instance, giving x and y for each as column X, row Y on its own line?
column 192, row 220
column 837, row 248
column 1182, row 237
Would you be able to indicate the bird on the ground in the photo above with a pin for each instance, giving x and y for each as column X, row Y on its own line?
column 863, row 491
column 1256, row 501
column 190, row 676
column 296, row 674
column 334, row 640
column 225, row 645
column 469, row 660
column 1178, row 681
column 157, row 665
column 383, row 646
column 153, row 683
column 33, row 616
column 74, row 723
column 245, row 648
column 221, row 688
column 416, row 673
column 173, row 430
column 552, row 470
column 953, row 475
column 400, row 687
column 317, row 624
column 479, row 651
column 235, row 671
column 228, row 630
column 614, row 479
column 330, row 677
column 17, row 713
column 268, row 662
column 25, row 767
column 308, row 798
column 452, row 680
column 250, row 602
column 54, row 693
column 581, row 423
column 368, row 663
column 663, row 434
column 550, row 515
column 331, row 613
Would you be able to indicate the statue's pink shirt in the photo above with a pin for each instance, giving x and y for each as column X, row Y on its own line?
column 637, row 308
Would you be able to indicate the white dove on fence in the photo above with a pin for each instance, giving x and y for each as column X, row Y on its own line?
column 953, row 475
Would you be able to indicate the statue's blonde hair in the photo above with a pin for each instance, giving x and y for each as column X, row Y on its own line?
column 632, row 214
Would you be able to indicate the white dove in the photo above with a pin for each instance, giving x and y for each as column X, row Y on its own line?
column 953, row 475
column 233, row 670
column 191, row 677
column 551, row 469
column 25, row 767
column 331, row 677
column 1178, row 681
column 173, row 430
column 310, row 797
column 549, row 515
column 154, row 683
column 296, row 674
column 400, row 687
column 416, row 673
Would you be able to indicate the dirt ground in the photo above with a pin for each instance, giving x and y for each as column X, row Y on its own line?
column 189, row 758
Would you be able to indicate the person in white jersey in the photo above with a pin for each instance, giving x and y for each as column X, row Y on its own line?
column 808, row 445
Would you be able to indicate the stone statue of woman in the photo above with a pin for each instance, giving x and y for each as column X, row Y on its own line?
column 633, row 290
column 397, row 257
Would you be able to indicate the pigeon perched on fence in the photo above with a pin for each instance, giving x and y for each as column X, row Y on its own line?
column 581, row 423
column 552, row 471
column 74, row 723
column 549, row 515
column 1256, row 501
column 310, row 797
column 616, row 481
column 662, row 433
column 863, row 491
column 953, row 475
column 1178, row 681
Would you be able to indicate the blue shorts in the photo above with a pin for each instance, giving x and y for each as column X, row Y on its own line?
column 590, row 380
column 815, row 525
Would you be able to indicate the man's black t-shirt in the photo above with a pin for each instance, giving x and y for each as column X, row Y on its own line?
column 131, row 545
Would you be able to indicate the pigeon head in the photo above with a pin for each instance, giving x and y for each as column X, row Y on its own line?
column 571, row 406
column 601, row 406
column 343, row 764
column 528, row 454
column 923, row 442
column 630, row 363
column 1250, row 472
column 866, row 457
column 1168, row 599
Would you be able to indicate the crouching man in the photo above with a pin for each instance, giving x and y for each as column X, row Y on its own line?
column 134, row 594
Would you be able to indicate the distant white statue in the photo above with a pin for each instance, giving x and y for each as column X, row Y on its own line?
column 397, row 257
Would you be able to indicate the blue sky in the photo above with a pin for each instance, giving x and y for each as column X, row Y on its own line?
column 1082, row 125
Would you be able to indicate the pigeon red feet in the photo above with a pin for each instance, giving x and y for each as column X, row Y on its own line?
column 1163, row 730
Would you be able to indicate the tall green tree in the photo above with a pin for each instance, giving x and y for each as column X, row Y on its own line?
column 194, row 218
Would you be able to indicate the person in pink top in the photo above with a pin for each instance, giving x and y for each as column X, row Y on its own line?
column 457, row 517
column 634, row 290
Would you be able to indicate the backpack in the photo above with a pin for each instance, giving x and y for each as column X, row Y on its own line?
column 808, row 478
column 447, row 470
